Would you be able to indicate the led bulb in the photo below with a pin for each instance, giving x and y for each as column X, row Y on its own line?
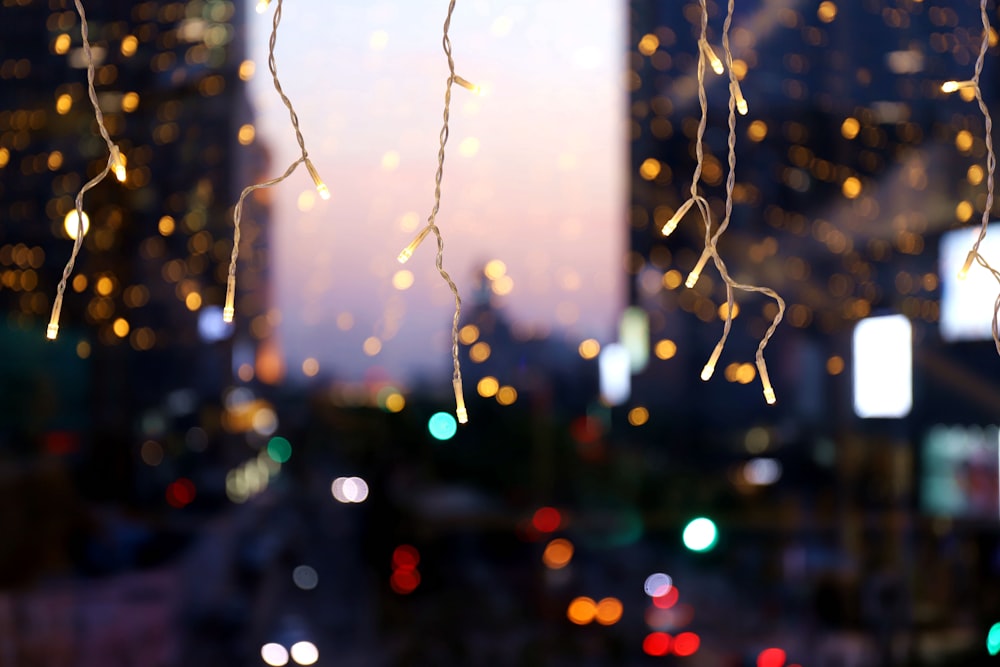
column 408, row 250
column 765, row 381
column 969, row 259
column 713, row 59
column 52, row 331
column 672, row 223
column 952, row 86
column 460, row 411
column 464, row 83
column 321, row 188
column 741, row 102
column 692, row 278
column 230, row 310
column 262, row 6
column 118, row 164
column 709, row 369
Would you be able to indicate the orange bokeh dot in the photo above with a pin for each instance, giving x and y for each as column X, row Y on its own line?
column 609, row 611
column 558, row 553
column 686, row 643
column 582, row 610
column 656, row 643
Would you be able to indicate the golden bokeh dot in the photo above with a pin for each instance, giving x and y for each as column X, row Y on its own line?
column 120, row 327
column 129, row 45
column 503, row 286
column 647, row 45
column 64, row 103
column 468, row 334
column 665, row 349
column 246, row 134
column 963, row 141
column 166, row 226
column 506, row 395
column 395, row 402
column 745, row 373
column 480, row 352
column 62, row 44
column 963, row 211
column 650, row 168
column 827, row 11
column 589, row 348
column 724, row 310
column 104, row 286
column 850, row 127
column 372, row 346
column 83, row 349
column 835, row 365
column 130, row 101
column 345, row 321
column 488, row 387
column 638, row 416
column 495, row 269
column 247, row 69
column 851, row 187
column 310, row 367
column 402, row 279
column 192, row 301
column 757, row 131
column 672, row 279
column 975, row 174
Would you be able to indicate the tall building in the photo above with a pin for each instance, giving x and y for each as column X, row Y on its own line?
column 142, row 353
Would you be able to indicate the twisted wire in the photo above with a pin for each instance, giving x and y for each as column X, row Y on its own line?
column 88, row 55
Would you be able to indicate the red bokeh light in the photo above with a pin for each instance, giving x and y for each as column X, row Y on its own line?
column 180, row 492
column 546, row 520
column 656, row 643
column 686, row 643
column 404, row 582
column 405, row 557
column 667, row 600
column 771, row 657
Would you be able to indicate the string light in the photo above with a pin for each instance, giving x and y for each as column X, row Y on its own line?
column 991, row 163
column 431, row 227
column 116, row 163
column 737, row 103
column 229, row 310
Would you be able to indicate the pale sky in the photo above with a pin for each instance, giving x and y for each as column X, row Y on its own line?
column 534, row 175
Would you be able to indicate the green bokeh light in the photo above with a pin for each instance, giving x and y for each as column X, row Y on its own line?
column 700, row 534
column 442, row 426
column 279, row 449
column 993, row 639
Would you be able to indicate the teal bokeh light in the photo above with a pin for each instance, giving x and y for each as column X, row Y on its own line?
column 442, row 426
column 279, row 449
column 993, row 639
column 700, row 534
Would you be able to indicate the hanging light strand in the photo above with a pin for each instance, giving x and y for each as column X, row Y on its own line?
column 229, row 310
column 737, row 104
column 116, row 164
column 431, row 227
column 991, row 163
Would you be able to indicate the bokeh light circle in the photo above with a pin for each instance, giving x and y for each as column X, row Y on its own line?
column 274, row 654
column 700, row 534
column 305, row 653
column 442, row 426
column 305, row 577
column 658, row 584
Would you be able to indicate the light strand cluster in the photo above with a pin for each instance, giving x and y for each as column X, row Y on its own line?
column 737, row 103
column 407, row 252
column 116, row 164
column 991, row 163
column 229, row 310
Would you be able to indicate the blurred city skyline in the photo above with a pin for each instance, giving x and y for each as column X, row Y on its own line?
column 534, row 175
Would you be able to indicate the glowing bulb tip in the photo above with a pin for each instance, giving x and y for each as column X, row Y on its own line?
column 692, row 279
column 227, row 314
column 404, row 256
column 707, row 372
column 52, row 331
column 324, row 192
column 769, row 396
